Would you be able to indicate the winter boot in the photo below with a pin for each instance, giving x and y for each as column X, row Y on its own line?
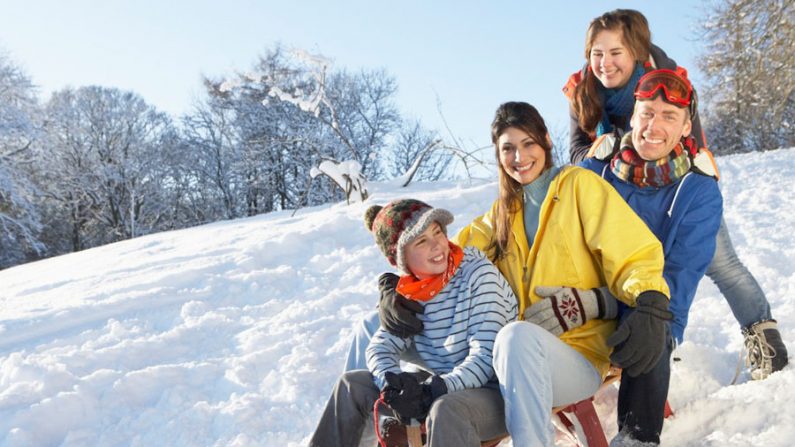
column 392, row 430
column 766, row 352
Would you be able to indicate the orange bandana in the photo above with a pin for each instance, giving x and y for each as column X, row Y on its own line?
column 425, row 289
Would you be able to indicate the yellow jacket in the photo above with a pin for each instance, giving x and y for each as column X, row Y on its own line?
column 587, row 237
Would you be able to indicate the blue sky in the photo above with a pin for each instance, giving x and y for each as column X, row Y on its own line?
column 470, row 55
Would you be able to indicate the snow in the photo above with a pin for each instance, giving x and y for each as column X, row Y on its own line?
column 347, row 174
column 232, row 334
column 317, row 67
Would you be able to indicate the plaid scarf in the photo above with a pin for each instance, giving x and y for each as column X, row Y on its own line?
column 629, row 167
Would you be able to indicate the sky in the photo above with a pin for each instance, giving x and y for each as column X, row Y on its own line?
column 232, row 334
column 461, row 57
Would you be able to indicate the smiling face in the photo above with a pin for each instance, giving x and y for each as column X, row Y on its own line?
column 611, row 61
column 520, row 156
column 427, row 254
column 657, row 127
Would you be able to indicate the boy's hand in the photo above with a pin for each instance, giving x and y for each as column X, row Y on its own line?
column 404, row 394
column 396, row 312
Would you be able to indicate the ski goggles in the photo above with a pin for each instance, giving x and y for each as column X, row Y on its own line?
column 675, row 87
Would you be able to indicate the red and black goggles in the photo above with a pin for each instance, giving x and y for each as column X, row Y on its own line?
column 676, row 89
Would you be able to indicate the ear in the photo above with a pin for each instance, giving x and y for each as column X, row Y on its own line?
column 687, row 127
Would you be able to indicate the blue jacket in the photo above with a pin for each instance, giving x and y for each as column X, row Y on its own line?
column 685, row 217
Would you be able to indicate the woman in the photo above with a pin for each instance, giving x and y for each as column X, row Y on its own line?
column 618, row 51
column 554, row 226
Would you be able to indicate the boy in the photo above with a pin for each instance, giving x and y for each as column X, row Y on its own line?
column 465, row 301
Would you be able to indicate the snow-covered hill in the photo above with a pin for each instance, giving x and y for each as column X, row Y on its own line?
column 232, row 334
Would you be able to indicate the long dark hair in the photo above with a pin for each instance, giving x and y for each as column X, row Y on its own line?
column 522, row 116
column 636, row 37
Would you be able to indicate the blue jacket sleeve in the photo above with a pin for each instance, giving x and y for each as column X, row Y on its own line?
column 690, row 251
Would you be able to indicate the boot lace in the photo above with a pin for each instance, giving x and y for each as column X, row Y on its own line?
column 758, row 356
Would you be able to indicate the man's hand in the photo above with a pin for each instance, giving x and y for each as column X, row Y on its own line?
column 396, row 312
column 640, row 340
column 565, row 308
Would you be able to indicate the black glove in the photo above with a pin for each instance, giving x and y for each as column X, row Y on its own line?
column 408, row 397
column 396, row 312
column 433, row 389
column 404, row 394
column 640, row 340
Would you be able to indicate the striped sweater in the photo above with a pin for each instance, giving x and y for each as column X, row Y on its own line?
column 460, row 325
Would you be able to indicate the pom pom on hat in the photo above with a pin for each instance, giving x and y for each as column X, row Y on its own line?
column 369, row 216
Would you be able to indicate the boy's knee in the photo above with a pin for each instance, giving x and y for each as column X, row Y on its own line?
column 353, row 381
column 447, row 410
column 357, row 388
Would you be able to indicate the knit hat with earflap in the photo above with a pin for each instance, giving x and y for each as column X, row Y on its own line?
column 400, row 222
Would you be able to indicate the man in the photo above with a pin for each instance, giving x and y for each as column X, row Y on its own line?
column 652, row 169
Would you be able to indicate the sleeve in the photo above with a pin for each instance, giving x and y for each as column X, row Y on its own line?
column 693, row 247
column 579, row 141
column 383, row 354
column 632, row 261
column 492, row 306
column 478, row 233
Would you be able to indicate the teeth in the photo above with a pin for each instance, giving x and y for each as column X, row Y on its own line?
column 438, row 258
column 653, row 141
column 525, row 168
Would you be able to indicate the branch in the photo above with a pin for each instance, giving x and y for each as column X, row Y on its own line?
column 406, row 178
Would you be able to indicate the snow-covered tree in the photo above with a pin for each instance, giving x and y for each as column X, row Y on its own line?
column 210, row 138
column 257, row 135
column 105, row 164
column 357, row 109
column 20, row 222
column 749, row 64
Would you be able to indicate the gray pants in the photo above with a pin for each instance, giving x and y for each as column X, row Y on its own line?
column 463, row 418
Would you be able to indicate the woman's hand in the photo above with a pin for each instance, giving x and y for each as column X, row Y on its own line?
column 565, row 308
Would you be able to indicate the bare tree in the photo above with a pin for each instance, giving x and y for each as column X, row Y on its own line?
column 419, row 154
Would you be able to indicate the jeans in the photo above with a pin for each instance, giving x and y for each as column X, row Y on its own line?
column 746, row 299
column 538, row 372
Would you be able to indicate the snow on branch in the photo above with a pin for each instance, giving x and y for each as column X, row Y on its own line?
column 347, row 174
column 317, row 67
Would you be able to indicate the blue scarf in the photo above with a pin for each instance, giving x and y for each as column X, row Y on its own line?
column 534, row 194
column 617, row 101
